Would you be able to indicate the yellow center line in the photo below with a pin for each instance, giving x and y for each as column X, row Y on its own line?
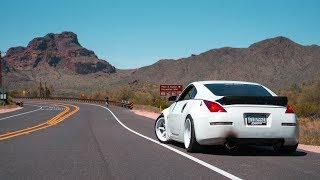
column 58, row 116
column 53, row 121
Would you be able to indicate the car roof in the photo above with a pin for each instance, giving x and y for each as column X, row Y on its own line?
column 224, row 82
column 204, row 93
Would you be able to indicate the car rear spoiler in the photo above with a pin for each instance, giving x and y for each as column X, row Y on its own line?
column 260, row 100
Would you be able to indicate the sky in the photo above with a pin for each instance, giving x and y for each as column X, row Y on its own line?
column 131, row 34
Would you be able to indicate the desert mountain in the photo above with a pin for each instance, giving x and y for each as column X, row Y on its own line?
column 61, row 61
column 278, row 62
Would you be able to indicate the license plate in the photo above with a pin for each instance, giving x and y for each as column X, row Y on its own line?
column 255, row 119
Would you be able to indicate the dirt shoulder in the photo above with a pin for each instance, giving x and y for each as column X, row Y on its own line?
column 9, row 108
column 148, row 114
column 146, row 111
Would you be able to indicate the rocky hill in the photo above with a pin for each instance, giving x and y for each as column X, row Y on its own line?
column 56, row 51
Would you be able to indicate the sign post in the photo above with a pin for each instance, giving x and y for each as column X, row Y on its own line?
column 1, row 70
column 3, row 94
column 170, row 90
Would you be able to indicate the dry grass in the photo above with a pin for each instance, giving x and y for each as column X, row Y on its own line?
column 309, row 131
column 147, row 108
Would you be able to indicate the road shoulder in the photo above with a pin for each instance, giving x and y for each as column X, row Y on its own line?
column 7, row 110
column 310, row 148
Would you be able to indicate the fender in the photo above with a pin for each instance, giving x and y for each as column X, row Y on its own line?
column 165, row 113
column 193, row 110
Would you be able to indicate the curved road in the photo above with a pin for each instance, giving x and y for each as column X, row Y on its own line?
column 83, row 141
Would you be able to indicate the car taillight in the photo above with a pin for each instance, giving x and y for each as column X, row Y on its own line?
column 214, row 107
column 289, row 109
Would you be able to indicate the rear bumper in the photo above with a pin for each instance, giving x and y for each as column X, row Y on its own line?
column 256, row 141
column 209, row 133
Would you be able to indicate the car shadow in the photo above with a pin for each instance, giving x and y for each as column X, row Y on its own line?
column 249, row 150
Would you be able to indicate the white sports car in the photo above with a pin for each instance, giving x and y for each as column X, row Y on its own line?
column 229, row 113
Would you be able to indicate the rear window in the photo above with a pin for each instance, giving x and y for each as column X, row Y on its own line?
column 237, row 90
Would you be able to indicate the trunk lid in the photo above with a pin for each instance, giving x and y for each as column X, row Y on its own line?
column 255, row 111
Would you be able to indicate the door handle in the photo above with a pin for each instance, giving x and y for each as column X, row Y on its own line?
column 183, row 107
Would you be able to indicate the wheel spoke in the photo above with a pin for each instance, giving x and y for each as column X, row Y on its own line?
column 187, row 133
column 161, row 128
column 164, row 134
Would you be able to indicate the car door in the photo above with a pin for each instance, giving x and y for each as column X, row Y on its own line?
column 187, row 104
column 174, row 116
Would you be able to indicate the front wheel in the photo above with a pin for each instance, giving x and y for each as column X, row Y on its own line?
column 189, row 137
column 161, row 130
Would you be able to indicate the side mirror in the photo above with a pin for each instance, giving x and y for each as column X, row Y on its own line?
column 172, row 98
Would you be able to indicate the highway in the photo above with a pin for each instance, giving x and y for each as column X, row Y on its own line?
column 69, row 140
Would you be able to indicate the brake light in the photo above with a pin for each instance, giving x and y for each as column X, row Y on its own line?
column 214, row 107
column 289, row 109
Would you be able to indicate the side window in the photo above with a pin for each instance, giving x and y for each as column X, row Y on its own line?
column 187, row 94
column 194, row 93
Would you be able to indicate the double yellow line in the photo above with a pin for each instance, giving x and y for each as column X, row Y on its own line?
column 51, row 122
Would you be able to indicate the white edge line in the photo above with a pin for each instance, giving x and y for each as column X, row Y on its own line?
column 207, row 165
column 20, row 114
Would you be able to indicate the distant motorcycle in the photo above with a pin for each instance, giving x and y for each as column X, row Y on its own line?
column 107, row 102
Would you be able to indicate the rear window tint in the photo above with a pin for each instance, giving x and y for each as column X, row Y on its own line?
column 237, row 90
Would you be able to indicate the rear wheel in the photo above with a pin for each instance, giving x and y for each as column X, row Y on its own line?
column 189, row 137
column 285, row 149
column 161, row 130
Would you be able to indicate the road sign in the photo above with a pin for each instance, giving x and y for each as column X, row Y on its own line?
column 3, row 96
column 170, row 90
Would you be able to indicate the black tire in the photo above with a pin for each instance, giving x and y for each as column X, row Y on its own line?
column 286, row 149
column 194, row 146
column 155, row 131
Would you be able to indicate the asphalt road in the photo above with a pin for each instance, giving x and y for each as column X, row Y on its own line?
column 95, row 143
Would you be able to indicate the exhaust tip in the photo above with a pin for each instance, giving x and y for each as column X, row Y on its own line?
column 229, row 145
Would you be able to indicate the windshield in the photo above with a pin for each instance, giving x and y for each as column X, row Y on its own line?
column 237, row 90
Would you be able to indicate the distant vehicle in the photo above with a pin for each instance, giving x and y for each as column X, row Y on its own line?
column 19, row 103
column 229, row 113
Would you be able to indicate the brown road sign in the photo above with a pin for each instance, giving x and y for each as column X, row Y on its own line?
column 170, row 90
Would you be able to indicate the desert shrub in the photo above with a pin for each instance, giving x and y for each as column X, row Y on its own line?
column 14, row 93
column 9, row 99
column 309, row 131
column 97, row 96
column 33, row 93
column 142, row 98
column 160, row 103
column 305, row 99
column 305, row 109
column 125, row 94
column 83, row 96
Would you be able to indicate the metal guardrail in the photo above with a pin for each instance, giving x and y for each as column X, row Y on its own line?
column 125, row 104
